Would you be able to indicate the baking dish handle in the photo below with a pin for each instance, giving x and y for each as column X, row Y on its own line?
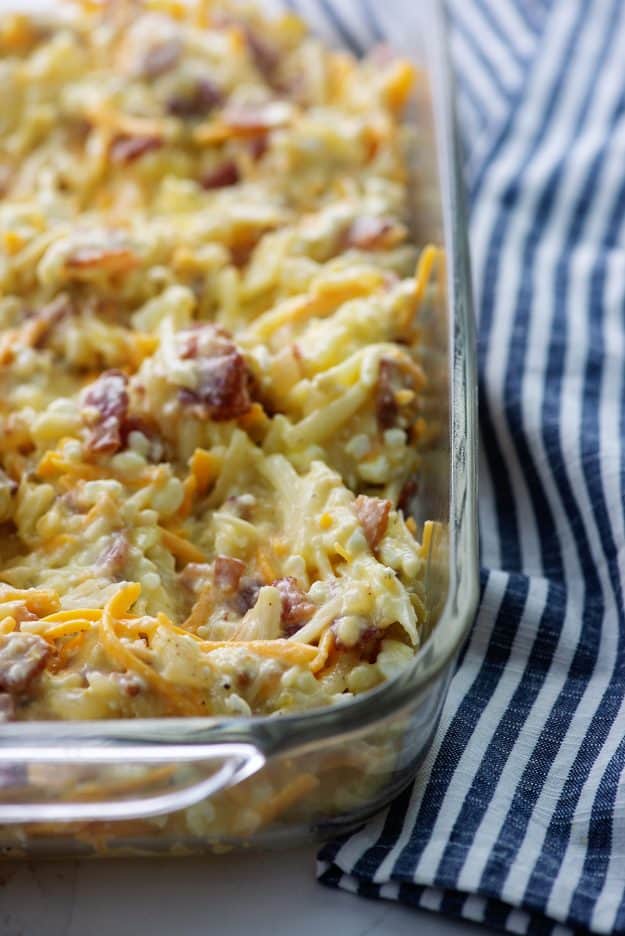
column 95, row 782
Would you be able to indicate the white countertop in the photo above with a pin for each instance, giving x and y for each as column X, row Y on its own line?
column 270, row 894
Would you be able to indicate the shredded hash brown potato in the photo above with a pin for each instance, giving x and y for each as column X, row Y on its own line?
column 210, row 389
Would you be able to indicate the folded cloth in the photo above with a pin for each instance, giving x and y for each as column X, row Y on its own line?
column 517, row 818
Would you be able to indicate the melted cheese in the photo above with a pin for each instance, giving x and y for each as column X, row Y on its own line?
column 208, row 321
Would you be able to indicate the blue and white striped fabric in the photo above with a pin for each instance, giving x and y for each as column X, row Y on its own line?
column 517, row 819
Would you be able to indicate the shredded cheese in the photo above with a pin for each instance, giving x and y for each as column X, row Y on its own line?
column 212, row 384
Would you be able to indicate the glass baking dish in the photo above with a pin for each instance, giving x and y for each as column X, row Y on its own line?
column 183, row 785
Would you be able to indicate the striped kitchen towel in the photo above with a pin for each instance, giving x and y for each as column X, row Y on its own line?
column 517, row 819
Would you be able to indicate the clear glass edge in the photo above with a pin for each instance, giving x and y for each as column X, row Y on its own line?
column 272, row 734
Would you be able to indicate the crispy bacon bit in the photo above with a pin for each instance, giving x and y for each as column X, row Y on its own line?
column 203, row 98
column 237, row 591
column 386, row 404
column 111, row 259
column 265, row 57
column 52, row 313
column 125, row 149
column 115, row 556
column 258, row 146
column 296, row 608
column 7, row 708
column 371, row 233
column 406, row 497
column 199, row 338
column 372, row 512
column 246, row 595
column 189, row 340
column 223, row 386
column 242, row 250
column 244, row 679
column 228, row 573
column 108, row 396
column 368, row 643
column 22, row 658
column 222, row 176
column 161, row 58
column 137, row 424
column 397, row 378
column 240, row 505
column 129, row 683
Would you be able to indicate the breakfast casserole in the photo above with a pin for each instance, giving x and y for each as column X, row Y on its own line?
column 210, row 385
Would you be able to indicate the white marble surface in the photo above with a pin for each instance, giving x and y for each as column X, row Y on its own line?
column 272, row 894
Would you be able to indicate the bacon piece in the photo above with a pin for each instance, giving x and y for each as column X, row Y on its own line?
column 246, row 595
column 202, row 99
column 223, row 384
column 109, row 397
column 241, row 505
column 200, row 339
column 129, row 683
column 50, row 314
column 115, row 556
column 228, row 572
column 125, row 149
column 372, row 512
column 223, row 388
column 22, row 658
column 238, row 591
column 222, row 176
column 368, row 643
column 265, row 57
column 258, row 146
column 407, row 495
column 137, row 424
column 242, row 250
column 394, row 379
column 161, row 58
column 371, row 233
column 386, row 404
column 296, row 607
column 244, row 679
